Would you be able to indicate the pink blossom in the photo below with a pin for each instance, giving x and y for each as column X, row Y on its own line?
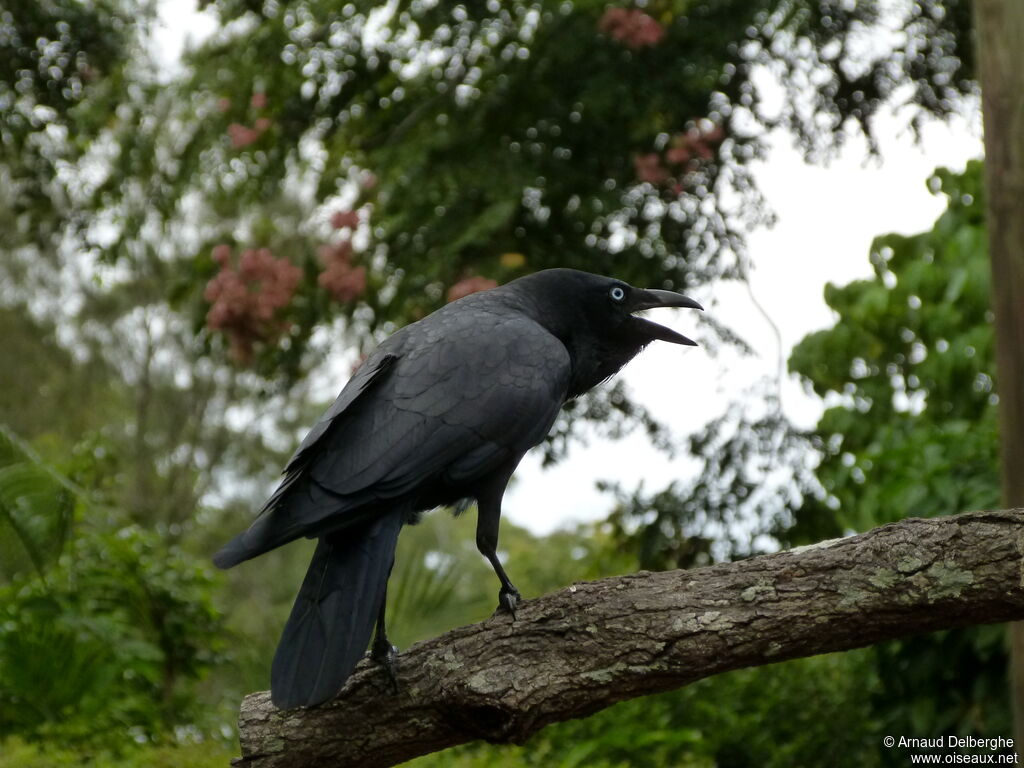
column 258, row 100
column 678, row 155
column 649, row 169
column 344, row 282
column 345, row 219
column 703, row 150
column 470, row 285
column 244, row 300
column 224, row 104
column 695, row 144
column 714, row 135
column 242, row 135
column 221, row 254
column 631, row 27
column 328, row 253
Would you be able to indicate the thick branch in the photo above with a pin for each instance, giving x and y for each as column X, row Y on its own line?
column 583, row 648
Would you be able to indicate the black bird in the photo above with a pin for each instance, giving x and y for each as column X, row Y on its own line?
column 439, row 413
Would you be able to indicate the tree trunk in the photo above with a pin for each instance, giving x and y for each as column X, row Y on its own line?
column 583, row 648
column 999, row 27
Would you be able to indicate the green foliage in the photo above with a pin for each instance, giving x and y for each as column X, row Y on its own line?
column 101, row 631
column 907, row 375
column 15, row 753
column 107, row 641
column 909, row 372
column 37, row 508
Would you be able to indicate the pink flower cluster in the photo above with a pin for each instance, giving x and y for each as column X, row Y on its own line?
column 244, row 300
column 340, row 278
column 631, row 27
column 345, row 219
column 470, row 285
column 686, row 152
column 242, row 135
column 649, row 169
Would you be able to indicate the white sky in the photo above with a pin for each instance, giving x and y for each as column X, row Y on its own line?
column 827, row 218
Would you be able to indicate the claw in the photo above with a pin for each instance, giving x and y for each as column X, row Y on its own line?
column 386, row 655
column 508, row 600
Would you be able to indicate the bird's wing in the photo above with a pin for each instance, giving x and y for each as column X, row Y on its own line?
column 280, row 521
column 372, row 369
column 466, row 393
column 445, row 401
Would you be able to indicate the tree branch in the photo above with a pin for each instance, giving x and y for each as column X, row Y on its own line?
column 583, row 648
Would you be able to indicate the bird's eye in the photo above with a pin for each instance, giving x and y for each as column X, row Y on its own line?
column 617, row 293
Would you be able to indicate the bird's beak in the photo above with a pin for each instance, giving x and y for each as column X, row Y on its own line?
column 653, row 298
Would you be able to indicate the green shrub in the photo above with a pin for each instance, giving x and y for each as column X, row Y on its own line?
column 15, row 753
column 105, row 648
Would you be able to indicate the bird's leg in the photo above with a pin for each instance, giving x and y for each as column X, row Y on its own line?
column 382, row 651
column 488, row 517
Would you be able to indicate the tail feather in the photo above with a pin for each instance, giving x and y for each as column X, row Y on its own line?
column 333, row 617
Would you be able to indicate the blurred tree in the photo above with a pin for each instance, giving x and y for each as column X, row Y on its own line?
column 909, row 373
column 1000, row 64
column 421, row 149
column 62, row 64
column 322, row 171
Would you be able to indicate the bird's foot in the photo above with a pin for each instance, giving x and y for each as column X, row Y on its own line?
column 385, row 654
column 508, row 600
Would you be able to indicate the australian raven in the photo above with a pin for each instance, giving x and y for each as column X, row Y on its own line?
column 442, row 411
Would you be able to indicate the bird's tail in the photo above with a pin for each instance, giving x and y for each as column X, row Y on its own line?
column 331, row 622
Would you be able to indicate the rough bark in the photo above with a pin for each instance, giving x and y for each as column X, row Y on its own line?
column 585, row 647
column 1000, row 46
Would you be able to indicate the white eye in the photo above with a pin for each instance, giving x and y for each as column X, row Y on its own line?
column 617, row 293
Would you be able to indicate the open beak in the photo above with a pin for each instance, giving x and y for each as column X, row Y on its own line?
column 653, row 298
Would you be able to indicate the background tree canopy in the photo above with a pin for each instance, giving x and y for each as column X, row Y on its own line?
column 188, row 250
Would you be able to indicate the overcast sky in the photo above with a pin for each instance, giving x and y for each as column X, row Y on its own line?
column 827, row 218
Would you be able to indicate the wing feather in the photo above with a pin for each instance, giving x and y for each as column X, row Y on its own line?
column 447, row 400
column 487, row 389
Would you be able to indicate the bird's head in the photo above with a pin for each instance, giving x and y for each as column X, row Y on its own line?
column 573, row 302
column 595, row 317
